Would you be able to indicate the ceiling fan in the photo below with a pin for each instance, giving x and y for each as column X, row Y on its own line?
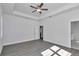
column 39, row 8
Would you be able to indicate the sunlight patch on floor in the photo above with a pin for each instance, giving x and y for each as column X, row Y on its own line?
column 55, row 51
column 47, row 52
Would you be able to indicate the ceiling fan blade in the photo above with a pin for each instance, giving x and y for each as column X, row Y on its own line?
column 44, row 9
column 33, row 7
column 34, row 11
column 40, row 12
column 41, row 5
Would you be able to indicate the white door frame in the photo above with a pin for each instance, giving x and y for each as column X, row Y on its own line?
column 70, row 21
column 1, row 34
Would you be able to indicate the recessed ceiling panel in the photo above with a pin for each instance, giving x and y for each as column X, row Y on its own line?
column 25, row 8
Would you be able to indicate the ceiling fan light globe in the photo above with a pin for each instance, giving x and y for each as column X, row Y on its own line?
column 38, row 10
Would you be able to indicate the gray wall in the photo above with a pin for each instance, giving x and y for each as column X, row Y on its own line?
column 17, row 29
column 56, row 28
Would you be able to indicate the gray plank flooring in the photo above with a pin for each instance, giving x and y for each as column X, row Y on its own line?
column 32, row 48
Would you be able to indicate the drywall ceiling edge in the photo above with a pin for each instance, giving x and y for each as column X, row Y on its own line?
column 24, row 15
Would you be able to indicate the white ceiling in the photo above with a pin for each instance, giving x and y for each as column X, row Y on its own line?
column 24, row 9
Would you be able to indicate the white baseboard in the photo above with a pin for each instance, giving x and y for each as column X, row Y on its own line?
column 10, row 43
column 58, row 44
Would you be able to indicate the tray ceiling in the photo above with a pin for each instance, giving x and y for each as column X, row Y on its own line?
column 24, row 9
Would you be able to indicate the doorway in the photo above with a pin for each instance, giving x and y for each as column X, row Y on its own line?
column 75, row 34
column 41, row 32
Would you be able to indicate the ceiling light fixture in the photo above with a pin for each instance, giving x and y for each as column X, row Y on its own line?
column 38, row 8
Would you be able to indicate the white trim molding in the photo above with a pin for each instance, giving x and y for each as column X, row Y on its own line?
column 70, row 21
column 5, row 44
column 24, row 15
